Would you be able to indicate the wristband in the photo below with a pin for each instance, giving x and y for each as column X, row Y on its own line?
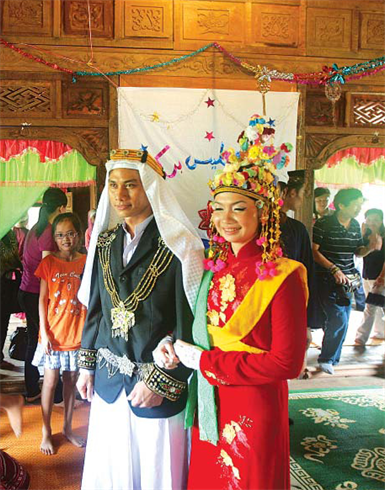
column 334, row 269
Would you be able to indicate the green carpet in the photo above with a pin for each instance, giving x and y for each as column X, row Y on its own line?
column 337, row 440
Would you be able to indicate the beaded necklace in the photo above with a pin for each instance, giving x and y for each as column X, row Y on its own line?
column 123, row 312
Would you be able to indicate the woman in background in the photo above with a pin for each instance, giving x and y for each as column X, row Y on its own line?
column 321, row 203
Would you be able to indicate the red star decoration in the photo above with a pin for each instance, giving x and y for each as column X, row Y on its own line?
column 209, row 136
column 209, row 102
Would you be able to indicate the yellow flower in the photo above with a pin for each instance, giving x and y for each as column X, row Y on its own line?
column 229, row 431
column 239, row 178
column 254, row 152
column 227, row 179
column 213, row 318
column 270, row 167
column 227, row 286
column 230, row 167
column 268, row 178
column 226, row 459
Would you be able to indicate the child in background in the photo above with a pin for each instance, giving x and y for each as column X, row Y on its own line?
column 61, row 323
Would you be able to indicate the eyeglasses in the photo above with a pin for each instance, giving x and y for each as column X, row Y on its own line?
column 69, row 234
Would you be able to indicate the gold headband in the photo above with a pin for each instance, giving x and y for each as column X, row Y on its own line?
column 237, row 190
column 137, row 156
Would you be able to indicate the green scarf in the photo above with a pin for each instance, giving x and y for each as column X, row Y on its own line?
column 201, row 392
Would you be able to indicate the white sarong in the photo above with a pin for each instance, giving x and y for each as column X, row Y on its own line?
column 126, row 452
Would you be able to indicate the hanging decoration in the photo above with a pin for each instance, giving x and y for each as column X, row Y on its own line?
column 333, row 92
column 34, row 58
column 263, row 74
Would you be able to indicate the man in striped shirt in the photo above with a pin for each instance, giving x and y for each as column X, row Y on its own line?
column 336, row 239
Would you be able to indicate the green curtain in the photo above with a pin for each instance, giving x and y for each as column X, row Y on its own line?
column 15, row 202
column 24, row 178
column 350, row 173
column 70, row 171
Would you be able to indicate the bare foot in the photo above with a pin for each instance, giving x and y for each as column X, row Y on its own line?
column 46, row 446
column 77, row 404
column 13, row 405
column 75, row 440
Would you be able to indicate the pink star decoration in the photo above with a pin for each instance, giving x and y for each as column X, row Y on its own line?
column 209, row 102
column 209, row 136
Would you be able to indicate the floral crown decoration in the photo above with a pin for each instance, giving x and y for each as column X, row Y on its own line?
column 252, row 172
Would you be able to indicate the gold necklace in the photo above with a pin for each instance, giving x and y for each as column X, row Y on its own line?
column 123, row 312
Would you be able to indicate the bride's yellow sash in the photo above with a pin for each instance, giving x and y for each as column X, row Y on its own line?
column 229, row 338
column 249, row 312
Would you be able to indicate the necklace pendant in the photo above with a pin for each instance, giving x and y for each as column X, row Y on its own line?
column 122, row 320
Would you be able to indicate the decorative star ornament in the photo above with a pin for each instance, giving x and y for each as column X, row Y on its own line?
column 271, row 122
column 155, row 117
column 210, row 102
column 209, row 136
column 143, row 148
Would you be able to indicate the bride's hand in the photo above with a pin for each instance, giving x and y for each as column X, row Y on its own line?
column 188, row 354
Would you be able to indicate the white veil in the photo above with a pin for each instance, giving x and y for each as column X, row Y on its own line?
column 174, row 227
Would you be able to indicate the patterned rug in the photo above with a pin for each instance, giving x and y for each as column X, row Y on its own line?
column 337, row 440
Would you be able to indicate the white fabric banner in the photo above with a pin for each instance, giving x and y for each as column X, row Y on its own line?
column 186, row 130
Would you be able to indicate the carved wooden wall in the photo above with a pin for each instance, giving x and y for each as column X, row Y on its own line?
column 288, row 35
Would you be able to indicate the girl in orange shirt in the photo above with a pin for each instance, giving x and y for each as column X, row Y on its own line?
column 61, row 323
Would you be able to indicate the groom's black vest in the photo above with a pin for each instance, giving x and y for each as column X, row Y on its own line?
column 165, row 311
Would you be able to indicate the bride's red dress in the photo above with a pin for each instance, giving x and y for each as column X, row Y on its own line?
column 252, row 392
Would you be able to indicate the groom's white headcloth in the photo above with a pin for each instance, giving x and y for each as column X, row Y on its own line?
column 174, row 226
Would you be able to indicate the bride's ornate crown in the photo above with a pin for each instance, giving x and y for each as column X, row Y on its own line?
column 253, row 172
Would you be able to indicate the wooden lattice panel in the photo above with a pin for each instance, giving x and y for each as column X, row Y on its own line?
column 32, row 99
column 27, row 17
column 148, row 18
column 367, row 110
column 76, row 21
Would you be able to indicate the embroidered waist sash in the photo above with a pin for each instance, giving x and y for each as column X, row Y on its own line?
column 154, row 378
column 229, row 338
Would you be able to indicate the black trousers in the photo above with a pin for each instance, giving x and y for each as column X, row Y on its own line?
column 30, row 304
